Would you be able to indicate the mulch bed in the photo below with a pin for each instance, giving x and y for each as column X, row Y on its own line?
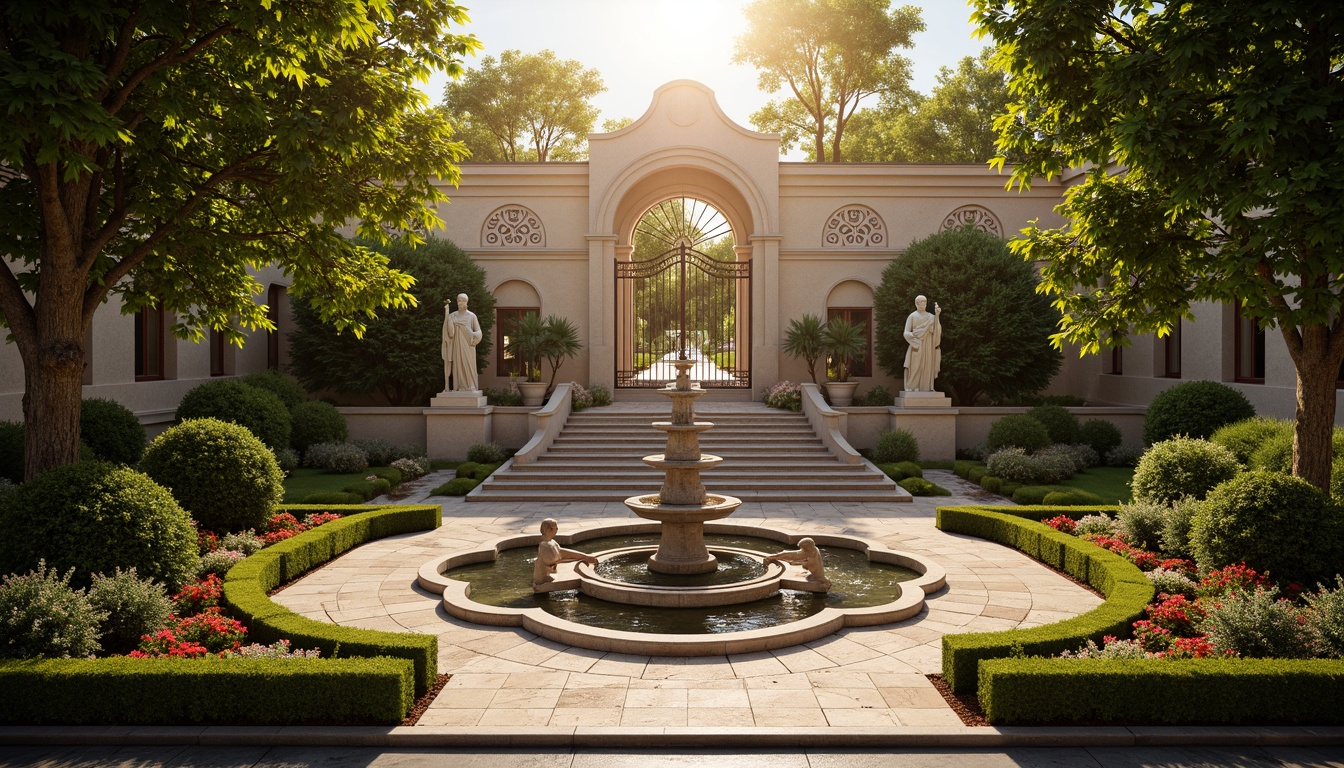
column 966, row 705
column 422, row 703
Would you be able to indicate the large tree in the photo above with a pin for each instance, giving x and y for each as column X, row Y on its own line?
column 1215, row 171
column 829, row 55
column 399, row 356
column 525, row 106
column 160, row 149
column 955, row 124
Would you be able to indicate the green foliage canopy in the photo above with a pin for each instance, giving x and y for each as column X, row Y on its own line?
column 399, row 356
column 828, row 55
column 525, row 106
column 161, row 149
column 996, row 327
column 1214, row 171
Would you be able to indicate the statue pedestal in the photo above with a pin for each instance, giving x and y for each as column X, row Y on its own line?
column 469, row 399
column 930, row 417
column 908, row 399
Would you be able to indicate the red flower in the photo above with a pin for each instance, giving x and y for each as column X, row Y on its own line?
column 199, row 596
column 1223, row 580
column 1062, row 523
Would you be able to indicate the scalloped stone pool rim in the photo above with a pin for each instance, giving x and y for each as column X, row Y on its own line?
column 829, row 620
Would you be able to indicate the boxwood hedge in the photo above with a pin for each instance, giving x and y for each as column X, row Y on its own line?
column 1188, row 692
column 125, row 691
column 247, row 583
column 1126, row 589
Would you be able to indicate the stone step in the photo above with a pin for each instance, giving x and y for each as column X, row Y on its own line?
column 895, row 495
column 713, row 485
column 589, row 454
column 533, row 473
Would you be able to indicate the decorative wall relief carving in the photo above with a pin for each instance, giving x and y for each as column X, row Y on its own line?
column 854, row 226
column 513, row 226
column 975, row 216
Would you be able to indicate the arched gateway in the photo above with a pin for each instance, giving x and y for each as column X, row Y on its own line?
column 683, row 295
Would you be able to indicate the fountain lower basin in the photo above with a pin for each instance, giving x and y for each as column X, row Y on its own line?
column 789, row 617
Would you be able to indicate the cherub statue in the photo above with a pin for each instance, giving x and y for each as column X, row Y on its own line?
column 551, row 554
column 808, row 557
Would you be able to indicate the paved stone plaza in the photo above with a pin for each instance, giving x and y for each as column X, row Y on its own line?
column 863, row 677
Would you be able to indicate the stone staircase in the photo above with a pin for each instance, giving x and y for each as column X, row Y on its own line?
column 768, row 455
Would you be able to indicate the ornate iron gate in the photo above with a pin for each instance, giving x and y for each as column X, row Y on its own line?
column 690, row 301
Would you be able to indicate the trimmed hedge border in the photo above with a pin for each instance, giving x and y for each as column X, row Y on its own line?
column 1186, row 692
column 126, row 691
column 1126, row 589
column 246, row 585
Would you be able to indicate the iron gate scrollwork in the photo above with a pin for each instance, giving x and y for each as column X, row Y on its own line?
column 688, row 301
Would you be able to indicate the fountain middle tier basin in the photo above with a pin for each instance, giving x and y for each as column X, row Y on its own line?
column 870, row 585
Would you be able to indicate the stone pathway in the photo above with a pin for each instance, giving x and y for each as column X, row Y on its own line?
column 862, row 677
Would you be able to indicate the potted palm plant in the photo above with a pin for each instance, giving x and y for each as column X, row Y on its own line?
column 844, row 343
column 527, row 344
column 561, row 343
column 803, row 339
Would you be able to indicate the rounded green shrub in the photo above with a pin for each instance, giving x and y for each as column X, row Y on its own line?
column 288, row 390
column 1058, row 421
column 1041, row 469
column 877, row 396
column 467, row 469
column 1275, row 453
column 134, row 606
column 41, row 615
column 111, row 431
column 220, row 473
column 1142, row 523
column 892, row 471
column 896, row 445
column 1017, row 431
column 1271, row 522
column 1179, row 467
column 460, row 486
column 918, row 486
column 260, row 411
column 316, row 422
column 1244, row 437
column 1073, row 498
column 97, row 517
column 910, row 469
column 1194, row 409
column 1101, row 435
column 1256, row 624
column 487, row 453
column 991, row 483
column 11, row 451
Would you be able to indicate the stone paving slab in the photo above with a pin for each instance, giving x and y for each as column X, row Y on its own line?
column 857, row 679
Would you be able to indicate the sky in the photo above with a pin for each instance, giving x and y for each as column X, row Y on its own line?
column 638, row 45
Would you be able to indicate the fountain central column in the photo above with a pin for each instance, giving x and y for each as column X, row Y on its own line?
column 682, row 505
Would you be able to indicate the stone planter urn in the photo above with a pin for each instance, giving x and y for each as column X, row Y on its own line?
column 533, row 392
column 841, row 393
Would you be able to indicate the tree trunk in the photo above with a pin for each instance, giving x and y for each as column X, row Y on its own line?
column 51, row 402
column 1312, row 445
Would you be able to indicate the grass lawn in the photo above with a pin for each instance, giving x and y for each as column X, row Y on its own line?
column 1110, row 483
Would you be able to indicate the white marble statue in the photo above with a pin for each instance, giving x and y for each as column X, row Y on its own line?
column 551, row 554
column 461, row 334
column 808, row 557
column 924, row 331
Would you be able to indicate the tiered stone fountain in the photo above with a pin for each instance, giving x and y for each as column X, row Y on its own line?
column 682, row 506
column 675, row 596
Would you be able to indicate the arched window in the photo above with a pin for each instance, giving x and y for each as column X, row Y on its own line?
column 852, row 300
column 514, row 299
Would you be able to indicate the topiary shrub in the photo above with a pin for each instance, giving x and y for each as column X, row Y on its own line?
column 1017, row 431
column 96, row 517
column 220, row 473
column 1194, row 409
column 1271, row 522
column 896, row 445
column 42, row 615
column 1058, row 421
column 918, row 486
column 1101, row 435
column 11, row 451
column 1244, row 437
column 134, row 605
column 288, row 390
column 460, row 486
column 1179, row 467
column 910, row 469
column 467, row 469
column 991, row 483
column 316, row 422
column 1072, row 498
column 260, row 411
column 111, row 431
column 487, row 453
